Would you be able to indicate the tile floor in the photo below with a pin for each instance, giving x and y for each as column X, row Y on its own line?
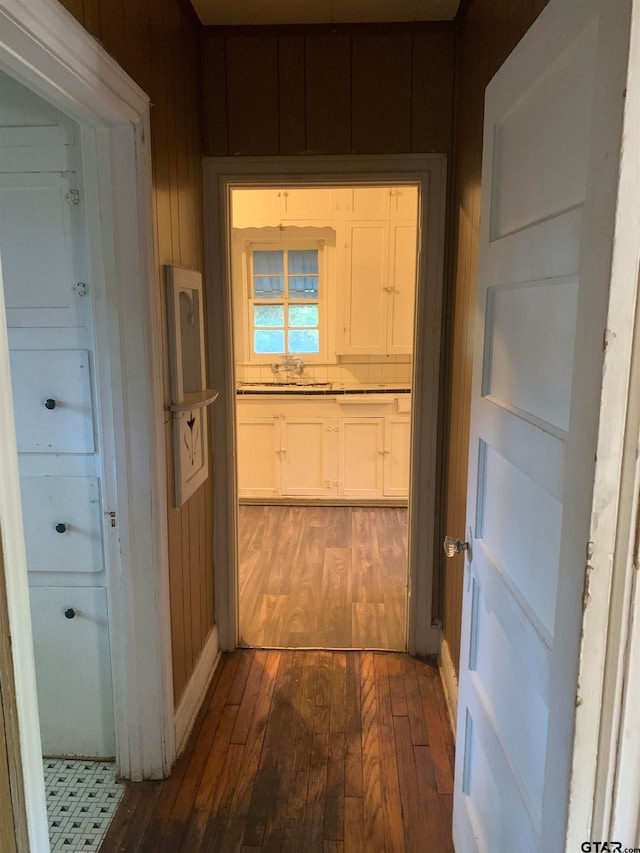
column 82, row 797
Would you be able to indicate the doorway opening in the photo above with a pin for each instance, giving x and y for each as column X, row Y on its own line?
column 301, row 178
column 323, row 283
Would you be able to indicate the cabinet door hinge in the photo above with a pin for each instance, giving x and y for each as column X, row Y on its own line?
column 73, row 197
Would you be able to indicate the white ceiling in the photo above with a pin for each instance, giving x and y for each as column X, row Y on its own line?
column 233, row 12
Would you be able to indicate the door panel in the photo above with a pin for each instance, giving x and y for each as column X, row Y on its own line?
column 402, row 289
column 365, row 296
column 550, row 112
column 361, row 454
column 397, row 456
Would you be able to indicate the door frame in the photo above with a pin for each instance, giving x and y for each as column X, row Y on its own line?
column 46, row 49
column 427, row 170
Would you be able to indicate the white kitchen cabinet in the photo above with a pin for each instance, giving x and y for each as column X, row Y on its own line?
column 360, row 457
column 307, row 455
column 349, row 448
column 365, row 288
column 397, row 455
column 401, row 289
column 259, row 456
column 379, row 288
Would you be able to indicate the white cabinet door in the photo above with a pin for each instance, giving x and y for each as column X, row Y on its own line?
column 306, row 204
column 371, row 203
column 402, row 288
column 62, row 524
column 365, row 296
column 404, row 203
column 73, row 671
column 309, row 459
column 259, row 457
column 255, row 207
column 397, row 456
column 360, row 456
column 552, row 139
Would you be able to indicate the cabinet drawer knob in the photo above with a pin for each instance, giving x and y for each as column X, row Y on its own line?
column 61, row 527
column 50, row 403
column 70, row 613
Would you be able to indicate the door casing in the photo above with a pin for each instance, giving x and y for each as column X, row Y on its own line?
column 47, row 50
column 221, row 174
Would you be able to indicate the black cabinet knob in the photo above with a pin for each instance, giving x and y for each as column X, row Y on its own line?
column 61, row 527
column 49, row 404
column 70, row 613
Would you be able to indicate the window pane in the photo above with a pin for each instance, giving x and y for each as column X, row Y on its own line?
column 302, row 315
column 268, row 287
column 303, row 287
column 268, row 340
column 269, row 315
column 304, row 340
column 268, row 263
column 303, row 261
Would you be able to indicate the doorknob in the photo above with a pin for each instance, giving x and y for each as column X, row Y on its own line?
column 454, row 546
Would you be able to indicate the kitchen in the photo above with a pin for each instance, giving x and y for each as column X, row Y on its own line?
column 323, row 284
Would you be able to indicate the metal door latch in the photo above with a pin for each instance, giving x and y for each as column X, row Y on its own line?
column 112, row 516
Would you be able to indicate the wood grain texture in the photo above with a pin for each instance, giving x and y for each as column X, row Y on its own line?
column 285, row 785
column 365, row 89
column 158, row 44
column 488, row 30
column 297, row 591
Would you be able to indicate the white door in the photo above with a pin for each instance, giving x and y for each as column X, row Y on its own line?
column 49, row 320
column 397, row 456
column 366, row 283
column 551, row 148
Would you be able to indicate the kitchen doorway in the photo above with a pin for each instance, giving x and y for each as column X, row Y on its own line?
column 323, row 284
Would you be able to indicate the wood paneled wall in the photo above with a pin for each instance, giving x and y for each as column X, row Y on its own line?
column 158, row 43
column 487, row 32
column 362, row 89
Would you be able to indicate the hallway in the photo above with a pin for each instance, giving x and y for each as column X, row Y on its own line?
column 304, row 751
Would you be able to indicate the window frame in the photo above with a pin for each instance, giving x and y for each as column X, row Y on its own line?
column 285, row 245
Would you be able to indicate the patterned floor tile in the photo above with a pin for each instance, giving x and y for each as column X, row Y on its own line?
column 82, row 797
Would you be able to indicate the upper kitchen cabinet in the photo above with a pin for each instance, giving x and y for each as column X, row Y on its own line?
column 379, row 288
column 299, row 205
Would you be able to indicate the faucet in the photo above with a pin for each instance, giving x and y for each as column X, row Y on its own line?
column 289, row 364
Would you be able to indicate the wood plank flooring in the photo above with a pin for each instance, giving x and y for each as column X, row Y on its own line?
column 306, row 752
column 330, row 577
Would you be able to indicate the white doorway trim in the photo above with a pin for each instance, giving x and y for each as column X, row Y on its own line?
column 47, row 50
column 429, row 171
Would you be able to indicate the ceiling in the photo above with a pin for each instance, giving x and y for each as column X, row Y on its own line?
column 234, row 12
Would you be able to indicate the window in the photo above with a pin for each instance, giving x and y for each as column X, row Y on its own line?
column 285, row 301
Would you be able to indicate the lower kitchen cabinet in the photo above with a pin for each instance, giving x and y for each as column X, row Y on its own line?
column 258, row 456
column 360, row 455
column 285, row 453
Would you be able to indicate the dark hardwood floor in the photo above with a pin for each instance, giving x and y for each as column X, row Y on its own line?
column 330, row 577
column 308, row 752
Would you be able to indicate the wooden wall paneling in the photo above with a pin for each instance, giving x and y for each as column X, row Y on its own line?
column 381, row 92
column 167, row 48
column 214, row 78
column 291, row 94
column 187, row 615
column 176, row 591
column 432, row 91
column 184, row 189
column 76, row 8
column 113, row 29
column 208, row 543
column 91, row 17
column 252, row 94
column 137, row 42
column 328, row 93
column 196, row 576
column 208, row 568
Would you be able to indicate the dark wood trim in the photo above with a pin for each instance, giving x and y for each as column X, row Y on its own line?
column 390, row 28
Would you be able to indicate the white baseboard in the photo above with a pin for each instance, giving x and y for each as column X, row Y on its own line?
column 449, row 684
column 196, row 689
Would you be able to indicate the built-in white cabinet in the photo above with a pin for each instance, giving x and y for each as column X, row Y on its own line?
column 346, row 449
